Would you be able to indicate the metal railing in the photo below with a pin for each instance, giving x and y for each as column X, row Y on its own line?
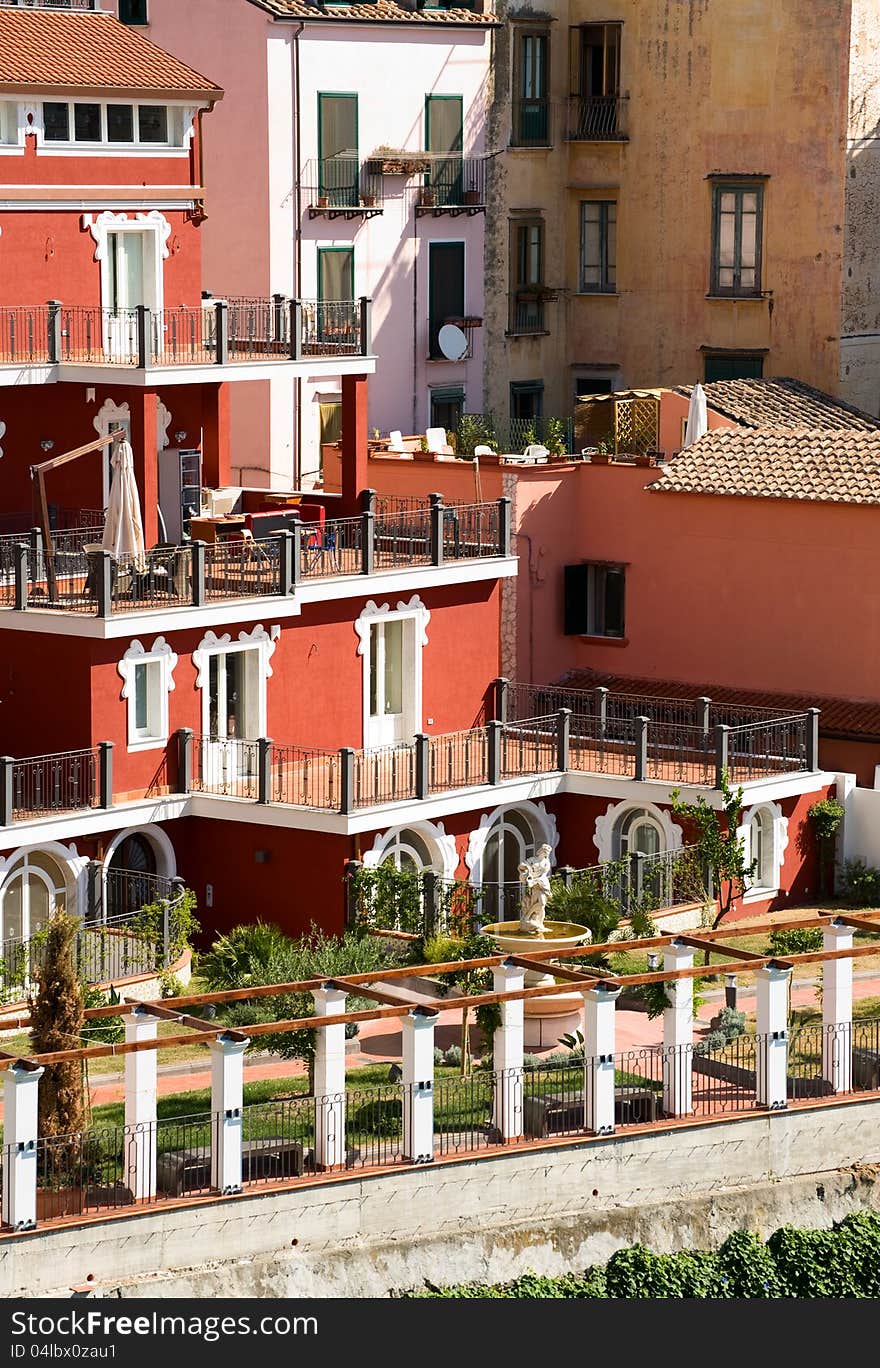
column 305, row 778
column 683, row 754
column 611, row 708
column 513, row 435
column 225, row 766
column 452, row 182
column 384, row 774
column 527, row 315
column 597, row 118
column 335, row 184
column 763, row 748
column 531, row 123
column 528, row 748
column 24, row 335
column 242, row 569
column 402, row 540
column 470, row 531
column 332, row 327
column 66, row 781
column 458, row 760
column 333, row 547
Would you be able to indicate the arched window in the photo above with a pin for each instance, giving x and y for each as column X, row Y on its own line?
column 638, row 838
column 511, row 839
column 129, row 880
column 31, row 891
column 408, row 850
column 761, row 852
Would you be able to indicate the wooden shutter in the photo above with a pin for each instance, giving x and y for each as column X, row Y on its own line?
column 575, row 600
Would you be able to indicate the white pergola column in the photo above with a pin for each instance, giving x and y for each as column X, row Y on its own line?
column 507, row 1053
column 140, row 1105
column 20, row 1092
column 599, row 1007
column 227, row 1097
column 329, row 1081
column 678, row 1033
column 418, row 1085
column 837, row 1003
column 772, row 1031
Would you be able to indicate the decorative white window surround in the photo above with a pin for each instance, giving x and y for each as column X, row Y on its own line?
column 603, row 836
column 166, row 860
column 74, row 867
column 779, row 844
column 542, row 822
column 412, row 609
column 151, row 222
column 109, row 417
column 258, row 640
column 162, row 656
column 442, row 846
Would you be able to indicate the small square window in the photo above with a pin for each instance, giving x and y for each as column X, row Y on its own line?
column 87, row 122
column 56, row 122
column 595, row 595
column 153, row 124
column 120, row 123
column 133, row 12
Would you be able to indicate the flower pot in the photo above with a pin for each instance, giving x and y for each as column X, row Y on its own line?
column 427, row 195
column 471, row 197
column 323, row 201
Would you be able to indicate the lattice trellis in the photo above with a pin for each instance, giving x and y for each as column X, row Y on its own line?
column 636, row 425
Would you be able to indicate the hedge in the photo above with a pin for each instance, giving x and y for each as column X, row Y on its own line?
column 841, row 1262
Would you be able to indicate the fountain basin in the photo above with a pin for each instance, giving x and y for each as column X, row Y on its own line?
column 546, row 1019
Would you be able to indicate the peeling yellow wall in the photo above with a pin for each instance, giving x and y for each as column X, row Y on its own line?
column 751, row 87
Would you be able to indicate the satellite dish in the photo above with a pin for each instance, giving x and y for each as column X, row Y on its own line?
column 453, row 342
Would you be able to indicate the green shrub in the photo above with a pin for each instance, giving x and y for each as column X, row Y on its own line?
column 452, row 1056
column 384, row 1117
column 805, row 1263
column 861, row 884
column 746, row 1267
column 797, row 941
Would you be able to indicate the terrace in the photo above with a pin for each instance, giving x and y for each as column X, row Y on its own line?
column 570, row 750
column 597, row 1095
column 77, row 576
column 222, row 331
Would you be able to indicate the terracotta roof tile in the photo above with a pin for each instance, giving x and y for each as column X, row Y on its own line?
column 781, row 402
column 779, row 463
column 374, row 12
column 840, row 718
column 68, row 48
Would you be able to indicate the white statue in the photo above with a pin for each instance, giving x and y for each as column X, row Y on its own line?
column 534, row 876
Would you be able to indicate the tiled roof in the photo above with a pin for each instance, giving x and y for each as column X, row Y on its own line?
column 839, row 718
column 374, row 12
column 69, row 48
column 780, row 403
column 778, row 463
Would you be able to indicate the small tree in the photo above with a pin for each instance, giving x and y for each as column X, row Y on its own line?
column 56, row 1024
column 826, row 817
column 468, row 982
column 719, row 849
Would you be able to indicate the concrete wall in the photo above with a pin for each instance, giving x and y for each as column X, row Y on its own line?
column 551, row 1209
column 861, row 831
column 860, row 312
column 759, row 87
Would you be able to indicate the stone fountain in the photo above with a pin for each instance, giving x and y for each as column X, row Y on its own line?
column 546, row 1019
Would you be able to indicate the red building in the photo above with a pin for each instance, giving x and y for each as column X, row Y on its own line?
column 320, row 686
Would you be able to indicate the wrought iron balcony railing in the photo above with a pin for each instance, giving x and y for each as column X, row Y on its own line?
column 597, row 118
column 453, row 184
column 342, row 187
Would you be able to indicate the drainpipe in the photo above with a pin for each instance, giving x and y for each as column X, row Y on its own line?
column 297, row 256
column 415, row 311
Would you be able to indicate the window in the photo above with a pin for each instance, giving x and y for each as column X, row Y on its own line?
column 447, row 406
column 765, row 833
column 8, row 121
column 736, row 239
column 140, row 125
column 148, row 677
column 133, row 12
column 592, row 384
column 527, row 399
column 443, row 133
column 599, row 246
column 338, row 167
column 733, row 366
column 445, row 289
column 391, row 646
column 594, row 600
column 638, row 838
column 526, row 275
column 531, row 105
column 32, row 890
column 335, row 286
column 594, row 58
column 407, row 850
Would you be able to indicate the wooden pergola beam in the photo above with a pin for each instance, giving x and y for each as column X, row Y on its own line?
column 716, row 948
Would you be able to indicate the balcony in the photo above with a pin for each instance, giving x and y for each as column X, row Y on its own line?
column 74, row 577
column 597, row 118
column 453, row 185
column 467, row 324
column 531, row 123
column 342, row 187
column 218, row 332
column 527, row 312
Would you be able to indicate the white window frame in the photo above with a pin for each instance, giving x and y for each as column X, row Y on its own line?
column 12, row 116
column 163, row 660
column 101, row 146
column 258, row 640
column 603, row 836
column 760, row 892
column 444, row 855
column 543, row 825
column 413, row 611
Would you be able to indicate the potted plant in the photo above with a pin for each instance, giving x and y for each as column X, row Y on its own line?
column 471, row 196
column 427, row 195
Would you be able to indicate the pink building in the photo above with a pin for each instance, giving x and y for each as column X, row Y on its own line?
column 302, row 208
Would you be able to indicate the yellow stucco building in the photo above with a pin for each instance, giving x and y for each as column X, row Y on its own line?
column 683, row 190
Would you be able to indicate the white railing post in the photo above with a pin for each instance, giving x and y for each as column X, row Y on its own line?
column 140, row 1105
column 418, row 1085
column 599, row 1008
column 837, row 1003
column 771, row 1029
column 227, row 1099
column 507, row 1052
column 678, row 1033
column 329, row 1081
column 20, row 1095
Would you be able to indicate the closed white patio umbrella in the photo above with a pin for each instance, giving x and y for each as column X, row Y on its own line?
column 697, row 422
column 123, row 529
